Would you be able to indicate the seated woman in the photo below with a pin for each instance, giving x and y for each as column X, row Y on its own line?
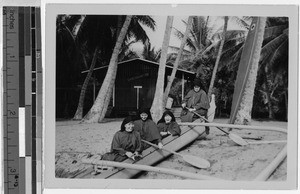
column 196, row 101
column 148, row 129
column 125, row 144
column 167, row 125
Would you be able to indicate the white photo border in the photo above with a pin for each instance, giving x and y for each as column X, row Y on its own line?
column 52, row 10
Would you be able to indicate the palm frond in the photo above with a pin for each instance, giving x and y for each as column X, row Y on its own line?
column 271, row 46
column 184, row 51
column 210, row 47
column 230, row 34
column 195, row 39
column 279, row 53
column 277, row 21
column 238, row 54
column 274, row 31
column 241, row 22
column 147, row 21
column 136, row 30
column 227, row 54
column 189, row 42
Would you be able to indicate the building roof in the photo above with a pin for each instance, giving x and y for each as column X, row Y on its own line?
column 144, row 60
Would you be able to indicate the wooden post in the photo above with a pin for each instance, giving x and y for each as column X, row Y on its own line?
column 137, row 95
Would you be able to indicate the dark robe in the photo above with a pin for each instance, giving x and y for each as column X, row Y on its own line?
column 123, row 142
column 172, row 127
column 199, row 101
column 148, row 130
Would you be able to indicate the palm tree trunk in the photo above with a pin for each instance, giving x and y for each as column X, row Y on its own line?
column 79, row 111
column 176, row 64
column 213, row 77
column 98, row 110
column 157, row 107
column 243, row 115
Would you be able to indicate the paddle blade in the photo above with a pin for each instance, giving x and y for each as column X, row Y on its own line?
column 237, row 139
column 196, row 161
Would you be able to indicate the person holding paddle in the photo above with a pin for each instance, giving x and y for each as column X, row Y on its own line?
column 148, row 129
column 167, row 125
column 196, row 101
column 126, row 143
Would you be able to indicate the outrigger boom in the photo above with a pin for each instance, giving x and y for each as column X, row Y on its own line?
column 265, row 128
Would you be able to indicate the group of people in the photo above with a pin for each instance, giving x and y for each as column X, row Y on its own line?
column 127, row 143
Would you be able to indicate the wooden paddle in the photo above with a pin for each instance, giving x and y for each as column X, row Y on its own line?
column 193, row 160
column 237, row 139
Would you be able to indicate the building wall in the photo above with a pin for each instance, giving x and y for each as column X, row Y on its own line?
column 130, row 75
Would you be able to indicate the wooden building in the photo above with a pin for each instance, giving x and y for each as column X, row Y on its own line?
column 135, row 84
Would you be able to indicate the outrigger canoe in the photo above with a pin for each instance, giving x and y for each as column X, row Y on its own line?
column 151, row 156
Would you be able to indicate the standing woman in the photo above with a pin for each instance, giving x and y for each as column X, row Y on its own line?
column 126, row 143
column 148, row 129
column 167, row 125
column 197, row 101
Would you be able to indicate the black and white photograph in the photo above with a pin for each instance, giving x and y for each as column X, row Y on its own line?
column 175, row 96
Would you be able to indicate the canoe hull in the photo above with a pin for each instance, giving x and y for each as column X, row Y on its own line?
column 151, row 156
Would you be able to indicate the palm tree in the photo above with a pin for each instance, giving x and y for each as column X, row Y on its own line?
column 100, row 32
column 269, row 83
column 96, row 42
column 149, row 53
column 243, row 98
column 79, row 111
column 203, row 43
column 176, row 64
column 98, row 110
column 67, row 60
column 213, row 77
column 274, row 61
column 157, row 107
column 198, row 45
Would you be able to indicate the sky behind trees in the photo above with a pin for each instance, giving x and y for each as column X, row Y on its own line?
column 156, row 37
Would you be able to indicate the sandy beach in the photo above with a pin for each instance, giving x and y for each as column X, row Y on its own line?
column 228, row 161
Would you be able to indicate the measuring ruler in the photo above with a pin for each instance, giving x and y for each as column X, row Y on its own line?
column 22, row 100
column 11, row 99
